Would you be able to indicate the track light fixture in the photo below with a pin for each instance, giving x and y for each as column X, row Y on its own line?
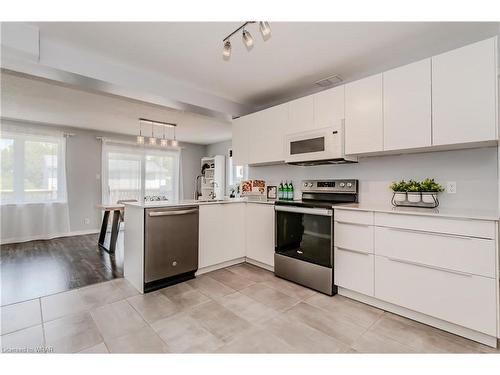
column 265, row 31
column 152, row 140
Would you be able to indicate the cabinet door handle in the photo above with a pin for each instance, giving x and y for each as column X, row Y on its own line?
column 431, row 233
column 431, row 267
column 352, row 251
column 357, row 224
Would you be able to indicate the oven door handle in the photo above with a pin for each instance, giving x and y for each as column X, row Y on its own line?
column 305, row 210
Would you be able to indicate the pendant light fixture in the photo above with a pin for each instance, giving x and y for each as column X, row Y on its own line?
column 140, row 137
column 152, row 139
column 246, row 37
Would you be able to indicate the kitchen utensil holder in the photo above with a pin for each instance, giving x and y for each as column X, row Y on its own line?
column 407, row 203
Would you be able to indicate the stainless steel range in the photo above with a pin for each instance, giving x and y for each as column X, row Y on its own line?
column 304, row 233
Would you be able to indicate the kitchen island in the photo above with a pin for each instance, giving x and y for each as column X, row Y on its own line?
column 225, row 232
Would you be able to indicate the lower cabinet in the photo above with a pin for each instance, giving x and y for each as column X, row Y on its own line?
column 464, row 299
column 354, row 270
column 260, row 229
column 221, row 233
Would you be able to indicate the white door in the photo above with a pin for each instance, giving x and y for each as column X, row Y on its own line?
column 260, row 230
column 464, row 86
column 407, row 106
column 301, row 115
column 329, row 108
column 266, row 135
column 364, row 126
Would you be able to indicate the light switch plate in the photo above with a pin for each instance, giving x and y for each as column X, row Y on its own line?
column 451, row 187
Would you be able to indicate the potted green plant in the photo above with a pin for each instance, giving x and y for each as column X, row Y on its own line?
column 399, row 188
column 429, row 190
column 413, row 191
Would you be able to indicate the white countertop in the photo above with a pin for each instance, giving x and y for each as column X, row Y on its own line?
column 441, row 212
column 193, row 202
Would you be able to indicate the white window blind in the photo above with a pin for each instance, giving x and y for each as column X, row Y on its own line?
column 133, row 172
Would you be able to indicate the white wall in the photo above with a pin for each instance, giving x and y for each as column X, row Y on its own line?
column 475, row 171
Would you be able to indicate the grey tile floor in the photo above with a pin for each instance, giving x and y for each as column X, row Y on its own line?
column 239, row 309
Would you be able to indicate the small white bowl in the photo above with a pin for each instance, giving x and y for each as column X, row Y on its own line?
column 414, row 197
column 428, row 197
column 399, row 197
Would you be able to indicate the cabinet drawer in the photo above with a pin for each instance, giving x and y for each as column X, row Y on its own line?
column 354, row 236
column 466, row 300
column 466, row 254
column 354, row 270
column 350, row 216
column 472, row 228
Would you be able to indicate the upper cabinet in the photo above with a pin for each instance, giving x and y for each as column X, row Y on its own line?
column 444, row 102
column 464, row 94
column 407, row 106
column 329, row 108
column 240, row 140
column 266, row 135
column 301, row 115
column 364, row 125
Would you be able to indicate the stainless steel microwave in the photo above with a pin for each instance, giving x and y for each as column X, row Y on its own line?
column 320, row 146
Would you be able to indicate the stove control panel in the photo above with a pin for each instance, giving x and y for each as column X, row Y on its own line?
column 330, row 186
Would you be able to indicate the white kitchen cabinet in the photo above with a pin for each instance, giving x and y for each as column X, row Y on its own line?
column 354, row 270
column 329, row 108
column 364, row 125
column 240, row 144
column 221, row 233
column 260, row 229
column 407, row 106
column 464, row 94
column 301, row 115
column 463, row 299
column 352, row 236
column 266, row 131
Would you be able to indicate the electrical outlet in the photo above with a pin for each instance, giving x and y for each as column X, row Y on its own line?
column 451, row 187
column 86, row 221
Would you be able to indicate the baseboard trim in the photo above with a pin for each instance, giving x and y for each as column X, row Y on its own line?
column 468, row 333
column 48, row 237
column 218, row 266
column 259, row 264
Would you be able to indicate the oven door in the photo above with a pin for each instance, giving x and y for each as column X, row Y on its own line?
column 305, row 234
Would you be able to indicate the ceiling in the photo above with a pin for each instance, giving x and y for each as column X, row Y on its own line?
column 43, row 102
column 284, row 67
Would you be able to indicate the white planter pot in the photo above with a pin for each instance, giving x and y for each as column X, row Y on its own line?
column 399, row 197
column 414, row 197
column 428, row 197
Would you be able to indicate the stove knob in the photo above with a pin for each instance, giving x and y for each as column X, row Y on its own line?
column 310, row 184
column 349, row 184
column 305, row 184
column 342, row 184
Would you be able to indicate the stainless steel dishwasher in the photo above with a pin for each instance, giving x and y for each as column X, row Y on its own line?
column 171, row 245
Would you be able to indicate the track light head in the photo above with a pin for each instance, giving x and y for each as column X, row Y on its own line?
column 247, row 39
column 226, row 52
column 265, row 30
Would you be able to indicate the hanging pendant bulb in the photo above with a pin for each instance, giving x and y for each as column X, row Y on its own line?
column 247, row 39
column 174, row 142
column 265, row 30
column 226, row 52
column 163, row 141
column 152, row 139
column 140, row 137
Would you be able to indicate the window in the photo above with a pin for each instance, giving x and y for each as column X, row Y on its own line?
column 131, row 172
column 32, row 167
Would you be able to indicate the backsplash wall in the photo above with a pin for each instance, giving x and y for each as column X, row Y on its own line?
column 475, row 171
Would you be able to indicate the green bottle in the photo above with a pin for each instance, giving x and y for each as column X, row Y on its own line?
column 280, row 191
column 285, row 190
column 290, row 191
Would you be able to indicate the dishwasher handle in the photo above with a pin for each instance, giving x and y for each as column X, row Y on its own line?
column 172, row 212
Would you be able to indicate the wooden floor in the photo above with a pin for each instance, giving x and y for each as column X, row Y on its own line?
column 240, row 309
column 39, row 268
